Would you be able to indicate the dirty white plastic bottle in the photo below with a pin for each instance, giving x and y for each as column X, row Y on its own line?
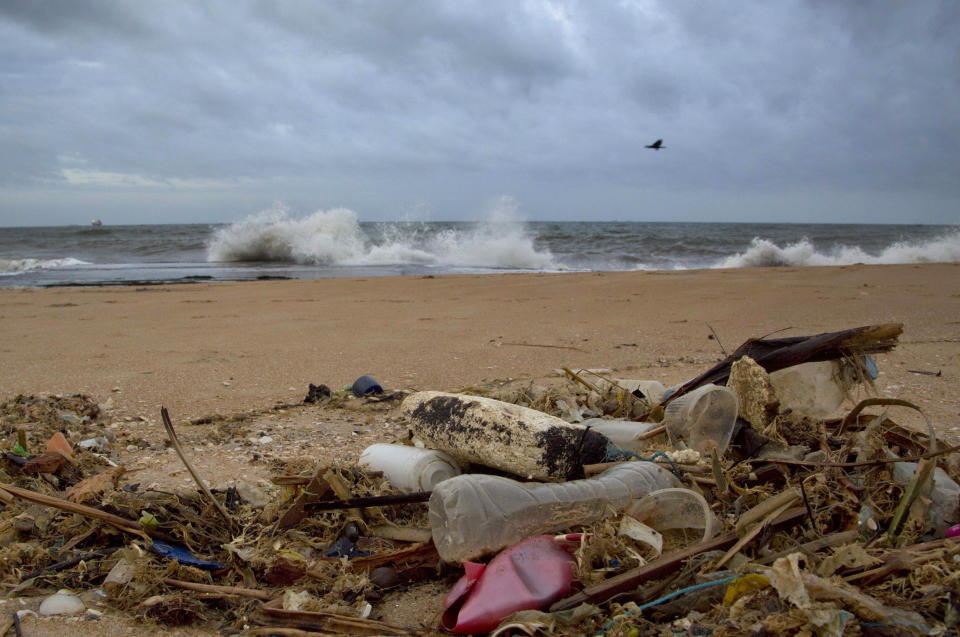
column 621, row 433
column 410, row 468
column 476, row 514
column 810, row 389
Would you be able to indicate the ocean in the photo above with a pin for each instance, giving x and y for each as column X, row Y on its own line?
column 275, row 244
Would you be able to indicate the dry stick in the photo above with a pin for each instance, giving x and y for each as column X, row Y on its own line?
column 172, row 435
column 827, row 541
column 65, row 505
column 717, row 338
column 652, row 433
column 59, row 566
column 863, row 463
column 752, row 533
column 576, row 378
column 223, row 590
column 371, row 501
column 576, row 349
column 870, row 402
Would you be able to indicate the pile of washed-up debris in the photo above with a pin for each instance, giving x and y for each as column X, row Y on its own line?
column 731, row 504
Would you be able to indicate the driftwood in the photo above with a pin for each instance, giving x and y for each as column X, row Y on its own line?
column 779, row 353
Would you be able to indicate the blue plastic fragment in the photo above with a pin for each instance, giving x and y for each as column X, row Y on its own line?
column 183, row 556
column 871, row 366
column 345, row 548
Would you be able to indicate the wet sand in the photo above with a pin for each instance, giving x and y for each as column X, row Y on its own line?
column 222, row 348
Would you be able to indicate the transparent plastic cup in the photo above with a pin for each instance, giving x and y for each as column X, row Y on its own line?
column 703, row 419
column 675, row 508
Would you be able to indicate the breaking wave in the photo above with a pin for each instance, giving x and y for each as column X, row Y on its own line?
column 335, row 237
column 16, row 266
column 763, row 252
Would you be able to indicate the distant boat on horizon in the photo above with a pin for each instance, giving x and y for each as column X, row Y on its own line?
column 96, row 223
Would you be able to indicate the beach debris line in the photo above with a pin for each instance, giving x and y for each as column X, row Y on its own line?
column 785, row 521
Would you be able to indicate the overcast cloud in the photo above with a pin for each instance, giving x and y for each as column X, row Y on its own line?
column 185, row 111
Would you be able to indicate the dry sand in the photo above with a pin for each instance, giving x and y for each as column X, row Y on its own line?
column 228, row 347
column 243, row 347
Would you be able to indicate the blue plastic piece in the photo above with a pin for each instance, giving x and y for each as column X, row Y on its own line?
column 366, row 385
column 345, row 548
column 183, row 556
column 871, row 367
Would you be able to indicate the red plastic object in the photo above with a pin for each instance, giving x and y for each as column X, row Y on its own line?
column 531, row 574
column 953, row 531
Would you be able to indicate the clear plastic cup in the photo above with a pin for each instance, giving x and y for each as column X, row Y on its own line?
column 703, row 419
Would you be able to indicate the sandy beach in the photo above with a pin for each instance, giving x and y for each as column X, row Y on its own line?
column 223, row 348
column 208, row 349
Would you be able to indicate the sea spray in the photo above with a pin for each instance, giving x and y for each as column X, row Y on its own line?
column 335, row 237
column 764, row 252
column 273, row 236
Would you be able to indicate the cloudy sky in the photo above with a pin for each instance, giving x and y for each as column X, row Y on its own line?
column 163, row 112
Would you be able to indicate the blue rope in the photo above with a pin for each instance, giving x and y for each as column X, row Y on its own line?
column 614, row 453
column 667, row 598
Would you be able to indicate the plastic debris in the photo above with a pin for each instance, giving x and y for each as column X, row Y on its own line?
column 529, row 575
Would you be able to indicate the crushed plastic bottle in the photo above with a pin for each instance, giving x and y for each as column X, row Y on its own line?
column 476, row 514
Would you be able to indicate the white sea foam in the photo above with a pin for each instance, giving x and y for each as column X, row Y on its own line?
column 763, row 252
column 335, row 237
column 10, row 267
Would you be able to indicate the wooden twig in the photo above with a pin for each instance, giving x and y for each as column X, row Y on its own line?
column 220, row 590
column 81, row 509
column 862, row 463
column 870, row 402
column 576, row 349
column 653, row 433
column 717, row 338
column 59, row 566
column 752, row 532
column 269, row 614
column 172, row 435
column 572, row 375
column 371, row 501
column 827, row 541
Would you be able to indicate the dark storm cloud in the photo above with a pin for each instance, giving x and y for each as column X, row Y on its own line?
column 450, row 102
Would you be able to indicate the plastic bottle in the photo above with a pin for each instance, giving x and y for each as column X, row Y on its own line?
column 409, row 468
column 621, row 433
column 472, row 515
column 652, row 390
column 810, row 389
column 703, row 419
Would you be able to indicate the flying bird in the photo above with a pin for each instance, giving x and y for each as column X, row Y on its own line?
column 657, row 145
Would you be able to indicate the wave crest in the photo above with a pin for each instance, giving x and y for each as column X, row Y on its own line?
column 335, row 237
column 17, row 266
column 765, row 253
